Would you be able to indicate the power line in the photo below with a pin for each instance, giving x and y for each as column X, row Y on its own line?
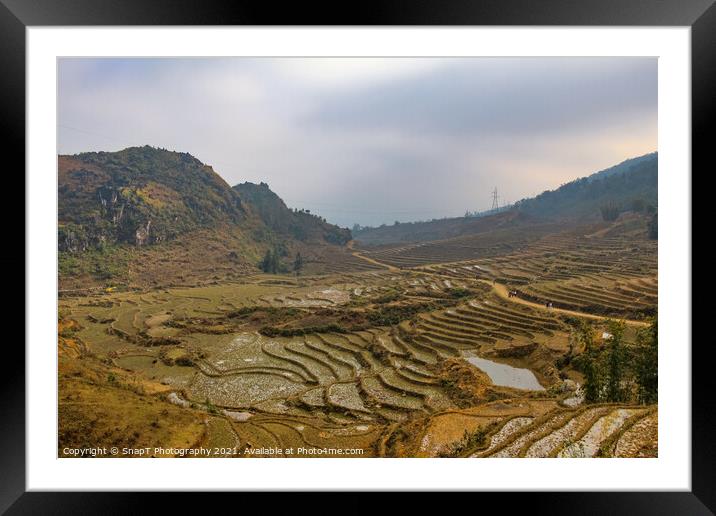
column 495, row 204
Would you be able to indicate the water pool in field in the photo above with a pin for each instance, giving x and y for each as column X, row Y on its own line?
column 505, row 375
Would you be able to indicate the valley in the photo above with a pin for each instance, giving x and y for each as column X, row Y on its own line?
column 360, row 257
column 462, row 347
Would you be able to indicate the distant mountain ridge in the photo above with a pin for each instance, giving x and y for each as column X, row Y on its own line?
column 630, row 183
column 624, row 166
column 440, row 229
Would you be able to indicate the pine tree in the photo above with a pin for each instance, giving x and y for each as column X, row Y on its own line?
column 298, row 264
column 267, row 261
column 590, row 364
column 271, row 262
column 647, row 364
column 616, row 363
column 275, row 263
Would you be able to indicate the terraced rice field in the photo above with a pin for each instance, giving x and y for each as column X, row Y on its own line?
column 493, row 243
column 386, row 389
column 591, row 431
column 609, row 276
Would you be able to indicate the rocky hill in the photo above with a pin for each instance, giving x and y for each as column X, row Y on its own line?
column 148, row 216
column 139, row 196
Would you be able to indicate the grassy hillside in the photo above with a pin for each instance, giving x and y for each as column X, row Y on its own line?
column 298, row 224
column 441, row 229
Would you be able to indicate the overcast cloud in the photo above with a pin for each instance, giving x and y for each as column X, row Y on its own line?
column 371, row 140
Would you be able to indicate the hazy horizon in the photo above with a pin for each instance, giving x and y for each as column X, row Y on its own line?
column 371, row 140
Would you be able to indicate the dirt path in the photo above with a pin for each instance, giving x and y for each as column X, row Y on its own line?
column 357, row 254
column 501, row 291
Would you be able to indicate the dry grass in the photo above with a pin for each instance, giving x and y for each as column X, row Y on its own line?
column 104, row 406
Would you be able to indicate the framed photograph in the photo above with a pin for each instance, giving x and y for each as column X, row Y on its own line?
column 451, row 240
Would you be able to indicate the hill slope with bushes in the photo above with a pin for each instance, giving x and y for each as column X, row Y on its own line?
column 631, row 185
column 298, row 224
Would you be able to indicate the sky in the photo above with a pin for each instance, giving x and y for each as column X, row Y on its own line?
column 371, row 140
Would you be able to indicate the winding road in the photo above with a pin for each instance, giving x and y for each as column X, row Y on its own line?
column 357, row 254
column 501, row 290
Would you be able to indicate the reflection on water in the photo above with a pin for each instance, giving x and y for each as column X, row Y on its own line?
column 507, row 376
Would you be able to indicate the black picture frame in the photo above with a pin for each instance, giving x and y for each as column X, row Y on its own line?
column 17, row 15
